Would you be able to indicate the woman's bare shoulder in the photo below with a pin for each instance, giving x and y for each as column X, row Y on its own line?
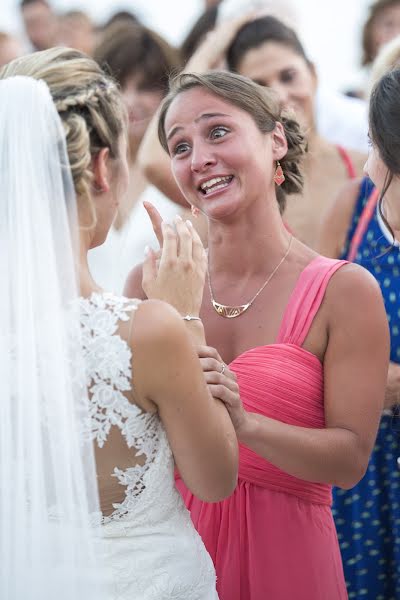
column 156, row 322
column 353, row 290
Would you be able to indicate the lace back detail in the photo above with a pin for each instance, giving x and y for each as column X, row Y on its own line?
column 108, row 361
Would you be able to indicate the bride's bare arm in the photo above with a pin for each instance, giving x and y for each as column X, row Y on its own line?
column 167, row 372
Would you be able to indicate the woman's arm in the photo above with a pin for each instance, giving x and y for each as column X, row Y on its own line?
column 355, row 372
column 337, row 220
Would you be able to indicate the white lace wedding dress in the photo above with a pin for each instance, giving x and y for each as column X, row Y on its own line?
column 152, row 550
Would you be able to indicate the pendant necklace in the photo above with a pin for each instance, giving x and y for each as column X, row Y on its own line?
column 231, row 312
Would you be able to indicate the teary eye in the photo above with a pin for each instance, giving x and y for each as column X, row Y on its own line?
column 218, row 132
column 180, row 148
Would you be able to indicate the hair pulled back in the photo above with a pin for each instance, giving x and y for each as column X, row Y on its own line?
column 260, row 103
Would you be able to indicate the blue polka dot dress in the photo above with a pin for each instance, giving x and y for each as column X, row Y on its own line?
column 368, row 516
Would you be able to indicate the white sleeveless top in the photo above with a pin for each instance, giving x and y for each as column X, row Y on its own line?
column 152, row 549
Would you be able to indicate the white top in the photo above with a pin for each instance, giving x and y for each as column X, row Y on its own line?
column 111, row 262
column 342, row 120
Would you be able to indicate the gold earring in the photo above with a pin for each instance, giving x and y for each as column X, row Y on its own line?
column 279, row 176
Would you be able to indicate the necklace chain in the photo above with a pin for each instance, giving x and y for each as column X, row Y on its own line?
column 230, row 312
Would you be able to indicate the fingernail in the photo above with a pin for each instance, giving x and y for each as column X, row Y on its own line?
column 189, row 223
column 147, row 250
column 178, row 218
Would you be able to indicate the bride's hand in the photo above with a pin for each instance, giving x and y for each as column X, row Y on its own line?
column 179, row 274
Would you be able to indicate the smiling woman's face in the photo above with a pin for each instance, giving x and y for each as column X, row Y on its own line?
column 220, row 159
column 277, row 66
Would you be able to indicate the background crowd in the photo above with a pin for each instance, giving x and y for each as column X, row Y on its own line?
column 335, row 212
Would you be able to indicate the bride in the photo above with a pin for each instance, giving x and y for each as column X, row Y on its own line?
column 100, row 395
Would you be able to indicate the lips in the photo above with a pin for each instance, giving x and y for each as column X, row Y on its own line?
column 215, row 184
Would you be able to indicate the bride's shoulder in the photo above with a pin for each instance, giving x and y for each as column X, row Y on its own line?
column 100, row 302
column 157, row 328
column 156, row 320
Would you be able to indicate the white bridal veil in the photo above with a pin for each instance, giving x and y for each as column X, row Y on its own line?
column 47, row 475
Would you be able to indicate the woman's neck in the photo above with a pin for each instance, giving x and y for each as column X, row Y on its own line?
column 87, row 285
column 250, row 244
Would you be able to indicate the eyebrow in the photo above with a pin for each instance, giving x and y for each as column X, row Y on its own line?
column 202, row 117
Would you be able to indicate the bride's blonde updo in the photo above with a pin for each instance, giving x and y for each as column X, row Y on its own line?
column 88, row 102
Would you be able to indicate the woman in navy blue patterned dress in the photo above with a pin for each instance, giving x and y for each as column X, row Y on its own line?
column 368, row 516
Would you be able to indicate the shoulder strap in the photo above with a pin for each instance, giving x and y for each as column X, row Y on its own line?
column 306, row 299
column 347, row 162
column 363, row 223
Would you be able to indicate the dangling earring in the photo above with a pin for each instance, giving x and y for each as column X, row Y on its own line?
column 279, row 176
column 195, row 211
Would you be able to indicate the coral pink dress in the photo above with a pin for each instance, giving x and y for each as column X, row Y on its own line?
column 274, row 538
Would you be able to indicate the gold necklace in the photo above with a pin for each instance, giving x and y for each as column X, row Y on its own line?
column 230, row 312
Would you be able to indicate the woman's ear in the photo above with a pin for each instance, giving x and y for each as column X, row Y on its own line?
column 101, row 167
column 279, row 142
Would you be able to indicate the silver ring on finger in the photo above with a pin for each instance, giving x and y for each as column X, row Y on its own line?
column 223, row 367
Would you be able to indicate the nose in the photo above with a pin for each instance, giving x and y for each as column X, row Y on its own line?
column 202, row 157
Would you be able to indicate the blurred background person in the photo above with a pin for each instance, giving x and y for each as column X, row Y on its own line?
column 10, row 48
column 338, row 118
column 40, row 23
column 140, row 61
column 269, row 52
column 203, row 25
column 76, row 30
column 367, row 517
column 381, row 26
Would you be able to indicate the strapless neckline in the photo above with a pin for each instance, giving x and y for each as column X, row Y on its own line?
column 277, row 345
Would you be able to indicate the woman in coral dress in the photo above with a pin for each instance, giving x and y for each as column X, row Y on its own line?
column 303, row 369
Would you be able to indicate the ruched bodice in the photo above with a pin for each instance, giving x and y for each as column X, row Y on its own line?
column 275, row 537
column 284, row 382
